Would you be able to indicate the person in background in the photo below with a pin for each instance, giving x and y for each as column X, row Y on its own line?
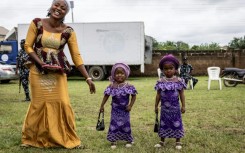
column 50, row 120
column 186, row 72
column 120, row 90
column 169, row 89
column 23, row 71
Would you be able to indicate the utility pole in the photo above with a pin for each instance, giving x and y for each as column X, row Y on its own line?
column 72, row 6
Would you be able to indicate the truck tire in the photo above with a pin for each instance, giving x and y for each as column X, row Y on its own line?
column 96, row 73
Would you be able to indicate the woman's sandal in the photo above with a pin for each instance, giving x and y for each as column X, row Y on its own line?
column 79, row 147
column 25, row 146
column 159, row 145
column 178, row 145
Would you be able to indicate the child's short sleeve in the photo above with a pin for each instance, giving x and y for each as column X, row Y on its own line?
column 179, row 85
column 131, row 90
column 108, row 90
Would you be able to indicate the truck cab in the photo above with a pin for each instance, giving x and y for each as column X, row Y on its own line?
column 8, row 52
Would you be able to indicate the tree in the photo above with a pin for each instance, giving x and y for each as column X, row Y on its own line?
column 169, row 45
column 182, row 45
column 155, row 43
column 195, row 47
column 237, row 43
column 214, row 46
column 206, row 46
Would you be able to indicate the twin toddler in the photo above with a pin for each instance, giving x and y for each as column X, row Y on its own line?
column 169, row 89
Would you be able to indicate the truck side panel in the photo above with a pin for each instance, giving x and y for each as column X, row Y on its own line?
column 106, row 43
column 8, row 52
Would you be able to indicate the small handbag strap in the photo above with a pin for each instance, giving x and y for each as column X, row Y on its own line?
column 157, row 116
column 102, row 115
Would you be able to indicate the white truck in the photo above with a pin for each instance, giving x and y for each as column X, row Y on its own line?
column 102, row 44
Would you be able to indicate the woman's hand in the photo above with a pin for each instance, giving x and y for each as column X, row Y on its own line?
column 91, row 85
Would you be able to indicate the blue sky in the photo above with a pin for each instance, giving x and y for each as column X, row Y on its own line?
column 191, row 21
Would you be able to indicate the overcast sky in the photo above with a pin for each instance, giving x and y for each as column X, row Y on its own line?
column 192, row 21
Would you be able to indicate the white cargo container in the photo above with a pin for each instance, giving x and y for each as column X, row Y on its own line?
column 102, row 44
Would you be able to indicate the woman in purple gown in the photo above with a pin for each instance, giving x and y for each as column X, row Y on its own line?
column 120, row 90
column 169, row 89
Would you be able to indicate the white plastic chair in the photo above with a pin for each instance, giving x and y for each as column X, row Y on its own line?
column 190, row 82
column 159, row 72
column 213, row 74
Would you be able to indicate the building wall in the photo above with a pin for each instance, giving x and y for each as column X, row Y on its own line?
column 200, row 60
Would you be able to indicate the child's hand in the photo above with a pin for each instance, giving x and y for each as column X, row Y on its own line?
column 101, row 109
column 128, row 108
column 156, row 109
column 183, row 110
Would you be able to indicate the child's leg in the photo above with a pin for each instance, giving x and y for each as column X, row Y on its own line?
column 177, row 139
column 162, row 140
column 113, row 145
column 160, row 144
column 178, row 144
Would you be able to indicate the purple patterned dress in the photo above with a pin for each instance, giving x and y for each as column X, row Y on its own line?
column 170, row 119
column 120, row 128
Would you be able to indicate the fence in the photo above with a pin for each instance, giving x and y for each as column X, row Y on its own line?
column 200, row 60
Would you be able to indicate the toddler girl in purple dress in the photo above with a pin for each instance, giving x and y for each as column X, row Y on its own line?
column 120, row 90
column 169, row 89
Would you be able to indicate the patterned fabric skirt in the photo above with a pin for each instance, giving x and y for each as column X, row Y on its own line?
column 50, row 120
column 171, row 125
column 119, row 126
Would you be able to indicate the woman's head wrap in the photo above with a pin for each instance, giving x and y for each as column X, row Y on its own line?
column 169, row 59
column 124, row 66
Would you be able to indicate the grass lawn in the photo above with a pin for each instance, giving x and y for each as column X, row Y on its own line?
column 214, row 120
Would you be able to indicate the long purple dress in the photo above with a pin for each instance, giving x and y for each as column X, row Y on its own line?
column 170, row 119
column 120, row 128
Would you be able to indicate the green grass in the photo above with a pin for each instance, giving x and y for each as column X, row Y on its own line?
column 214, row 120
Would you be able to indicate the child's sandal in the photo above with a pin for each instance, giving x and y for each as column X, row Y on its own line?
column 113, row 146
column 159, row 145
column 178, row 145
column 129, row 144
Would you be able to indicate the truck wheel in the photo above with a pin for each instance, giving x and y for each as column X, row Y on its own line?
column 96, row 73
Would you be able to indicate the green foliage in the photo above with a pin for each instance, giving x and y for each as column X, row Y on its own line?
column 237, row 43
column 170, row 45
column 214, row 119
column 180, row 45
column 155, row 43
column 206, row 46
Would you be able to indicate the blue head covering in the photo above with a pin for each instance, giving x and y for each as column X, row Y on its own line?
column 124, row 66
